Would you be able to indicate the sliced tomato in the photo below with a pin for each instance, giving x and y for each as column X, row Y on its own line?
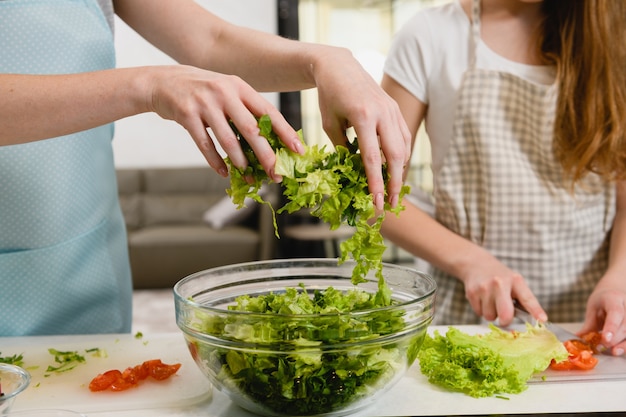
column 584, row 360
column 122, row 384
column 593, row 339
column 576, row 346
column 565, row 365
column 141, row 371
column 105, row 380
column 580, row 357
column 116, row 380
column 160, row 370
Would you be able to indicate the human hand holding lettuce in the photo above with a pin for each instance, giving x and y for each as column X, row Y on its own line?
column 332, row 184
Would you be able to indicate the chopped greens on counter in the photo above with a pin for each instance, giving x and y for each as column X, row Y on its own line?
column 67, row 360
column 499, row 362
column 332, row 184
column 312, row 379
column 16, row 359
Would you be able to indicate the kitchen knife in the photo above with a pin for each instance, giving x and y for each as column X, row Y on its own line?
column 560, row 333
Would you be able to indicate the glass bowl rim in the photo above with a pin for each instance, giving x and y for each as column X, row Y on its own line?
column 23, row 383
column 326, row 262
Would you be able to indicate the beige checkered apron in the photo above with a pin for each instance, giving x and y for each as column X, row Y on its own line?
column 501, row 187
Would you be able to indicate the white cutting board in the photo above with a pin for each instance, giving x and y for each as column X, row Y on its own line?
column 69, row 390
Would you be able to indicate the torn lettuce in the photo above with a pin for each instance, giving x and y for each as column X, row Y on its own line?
column 332, row 184
column 498, row 362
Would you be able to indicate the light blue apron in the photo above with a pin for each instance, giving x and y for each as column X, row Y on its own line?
column 63, row 253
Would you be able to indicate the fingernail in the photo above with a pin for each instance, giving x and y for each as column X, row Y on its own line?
column 275, row 177
column 223, row 172
column 542, row 317
column 619, row 352
column 299, row 146
column 608, row 336
column 379, row 201
column 394, row 201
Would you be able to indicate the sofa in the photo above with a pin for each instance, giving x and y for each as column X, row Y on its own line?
column 180, row 221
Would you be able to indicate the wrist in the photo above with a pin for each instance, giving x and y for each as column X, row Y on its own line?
column 322, row 55
column 140, row 88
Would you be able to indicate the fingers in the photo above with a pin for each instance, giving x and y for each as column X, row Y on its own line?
column 396, row 142
column 243, row 110
column 372, row 160
column 205, row 144
column 614, row 328
column 606, row 313
column 201, row 99
column 382, row 138
column 529, row 302
column 492, row 298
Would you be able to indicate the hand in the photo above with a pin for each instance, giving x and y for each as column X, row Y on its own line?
column 606, row 313
column 490, row 288
column 198, row 99
column 349, row 97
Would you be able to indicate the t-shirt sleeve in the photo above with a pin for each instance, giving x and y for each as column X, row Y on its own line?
column 410, row 56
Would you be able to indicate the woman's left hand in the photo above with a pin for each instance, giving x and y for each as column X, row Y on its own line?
column 349, row 97
column 606, row 313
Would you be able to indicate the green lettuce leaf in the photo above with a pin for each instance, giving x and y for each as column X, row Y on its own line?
column 484, row 365
column 332, row 184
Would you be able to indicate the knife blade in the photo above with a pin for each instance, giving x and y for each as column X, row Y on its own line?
column 560, row 333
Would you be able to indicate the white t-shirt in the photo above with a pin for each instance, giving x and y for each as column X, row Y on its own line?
column 429, row 56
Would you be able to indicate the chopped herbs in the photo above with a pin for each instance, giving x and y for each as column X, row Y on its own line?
column 65, row 360
column 16, row 359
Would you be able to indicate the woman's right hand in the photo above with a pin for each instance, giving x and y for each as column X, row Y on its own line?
column 198, row 99
column 491, row 287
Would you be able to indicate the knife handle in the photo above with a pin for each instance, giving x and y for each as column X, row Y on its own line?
column 522, row 314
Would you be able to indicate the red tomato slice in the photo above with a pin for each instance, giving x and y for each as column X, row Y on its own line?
column 122, row 384
column 105, row 380
column 593, row 339
column 160, row 370
column 565, row 365
column 580, row 357
column 115, row 380
column 141, row 371
column 585, row 360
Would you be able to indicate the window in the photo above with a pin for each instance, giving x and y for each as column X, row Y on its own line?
column 366, row 27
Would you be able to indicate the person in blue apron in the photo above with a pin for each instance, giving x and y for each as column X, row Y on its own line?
column 64, row 266
column 527, row 207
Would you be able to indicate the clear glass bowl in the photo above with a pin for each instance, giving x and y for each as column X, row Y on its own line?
column 13, row 380
column 302, row 364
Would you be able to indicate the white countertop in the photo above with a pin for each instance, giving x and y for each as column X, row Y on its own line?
column 411, row 396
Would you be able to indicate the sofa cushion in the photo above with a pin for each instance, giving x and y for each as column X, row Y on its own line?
column 225, row 213
column 128, row 181
column 184, row 181
column 162, row 255
column 129, row 187
column 161, row 209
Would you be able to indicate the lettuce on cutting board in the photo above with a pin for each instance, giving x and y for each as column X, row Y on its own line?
column 483, row 365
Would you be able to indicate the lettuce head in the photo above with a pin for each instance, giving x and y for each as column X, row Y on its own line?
column 498, row 362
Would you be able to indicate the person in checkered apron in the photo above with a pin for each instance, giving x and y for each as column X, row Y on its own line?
column 524, row 103
column 64, row 264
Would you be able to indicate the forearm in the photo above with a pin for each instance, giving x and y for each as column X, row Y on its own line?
column 421, row 235
column 615, row 276
column 35, row 107
column 194, row 36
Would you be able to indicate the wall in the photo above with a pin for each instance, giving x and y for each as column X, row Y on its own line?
column 146, row 140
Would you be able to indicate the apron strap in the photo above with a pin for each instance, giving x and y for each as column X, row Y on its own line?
column 475, row 33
